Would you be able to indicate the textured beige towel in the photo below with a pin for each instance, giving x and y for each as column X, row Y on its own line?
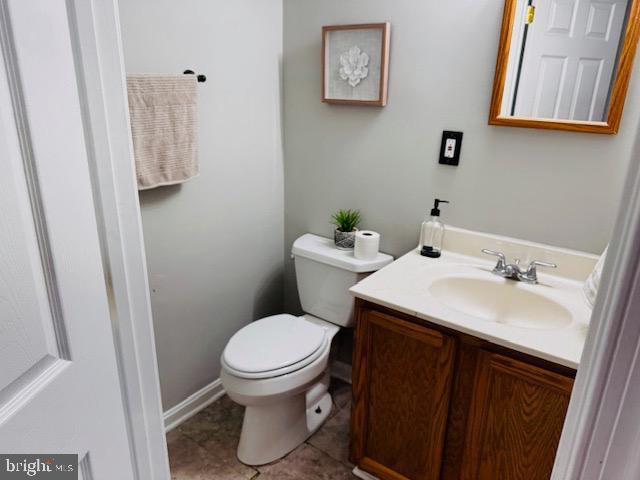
column 163, row 127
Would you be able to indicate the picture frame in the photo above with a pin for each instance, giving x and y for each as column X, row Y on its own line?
column 355, row 64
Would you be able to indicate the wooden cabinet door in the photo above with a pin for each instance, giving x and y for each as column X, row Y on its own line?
column 516, row 417
column 402, row 381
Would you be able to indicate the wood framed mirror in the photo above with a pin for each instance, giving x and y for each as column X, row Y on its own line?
column 565, row 64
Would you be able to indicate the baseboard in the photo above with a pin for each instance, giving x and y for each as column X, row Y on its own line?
column 363, row 475
column 192, row 405
column 341, row 371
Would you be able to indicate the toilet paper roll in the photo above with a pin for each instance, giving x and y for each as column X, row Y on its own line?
column 367, row 245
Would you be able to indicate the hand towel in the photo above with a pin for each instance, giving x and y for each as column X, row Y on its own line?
column 163, row 128
column 592, row 284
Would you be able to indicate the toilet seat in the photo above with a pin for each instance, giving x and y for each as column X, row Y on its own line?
column 274, row 346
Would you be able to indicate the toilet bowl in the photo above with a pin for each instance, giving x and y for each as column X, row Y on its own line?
column 277, row 367
column 286, row 404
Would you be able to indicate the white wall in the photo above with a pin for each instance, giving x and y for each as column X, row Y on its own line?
column 215, row 244
column 554, row 187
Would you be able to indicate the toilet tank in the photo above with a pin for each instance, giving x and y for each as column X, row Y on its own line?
column 324, row 275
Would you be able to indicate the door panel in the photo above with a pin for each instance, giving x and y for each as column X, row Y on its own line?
column 553, row 70
column 600, row 22
column 517, row 414
column 29, row 330
column 561, row 17
column 59, row 386
column 584, row 101
column 401, row 397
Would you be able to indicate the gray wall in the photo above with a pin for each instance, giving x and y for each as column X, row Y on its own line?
column 215, row 244
column 554, row 187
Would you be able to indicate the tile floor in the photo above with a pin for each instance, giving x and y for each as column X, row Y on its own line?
column 204, row 447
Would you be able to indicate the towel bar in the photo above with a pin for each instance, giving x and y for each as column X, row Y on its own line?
column 201, row 78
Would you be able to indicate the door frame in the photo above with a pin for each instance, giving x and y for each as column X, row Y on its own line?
column 95, row 30
column 595, row 437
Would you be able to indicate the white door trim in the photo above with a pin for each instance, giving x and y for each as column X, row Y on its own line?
column 99, row 62
column 600, row 435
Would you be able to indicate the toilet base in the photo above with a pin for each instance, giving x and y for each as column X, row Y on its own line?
column 272, row 430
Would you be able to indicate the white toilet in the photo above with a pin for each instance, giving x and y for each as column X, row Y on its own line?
column 277, row 367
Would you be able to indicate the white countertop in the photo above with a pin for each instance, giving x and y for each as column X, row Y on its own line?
column 404, row 286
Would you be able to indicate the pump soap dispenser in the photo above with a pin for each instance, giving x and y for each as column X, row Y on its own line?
column 432, row 233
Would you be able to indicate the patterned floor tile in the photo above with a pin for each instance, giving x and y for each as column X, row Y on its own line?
column 340, row 392
column 221, row 420
column 190, row 461
column 333, row 436
column 306, row 463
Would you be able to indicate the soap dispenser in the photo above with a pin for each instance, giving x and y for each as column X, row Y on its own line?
column 432, row 232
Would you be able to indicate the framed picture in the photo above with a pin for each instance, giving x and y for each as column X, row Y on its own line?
column 355, row 64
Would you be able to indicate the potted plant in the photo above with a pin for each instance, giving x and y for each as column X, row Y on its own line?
column 346, row 222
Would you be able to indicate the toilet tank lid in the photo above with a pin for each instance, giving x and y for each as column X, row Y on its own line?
column 323, row 250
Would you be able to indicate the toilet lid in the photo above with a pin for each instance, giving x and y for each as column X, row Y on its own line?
column 273, row 343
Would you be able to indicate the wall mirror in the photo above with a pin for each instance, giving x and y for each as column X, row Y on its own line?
column 565, row 64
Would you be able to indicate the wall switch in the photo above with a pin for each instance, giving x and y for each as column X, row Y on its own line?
column 450, row 148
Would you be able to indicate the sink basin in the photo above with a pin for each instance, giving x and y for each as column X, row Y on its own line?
column 458, row 291
column 500, row 301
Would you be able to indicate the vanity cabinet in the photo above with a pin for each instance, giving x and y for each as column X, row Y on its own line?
column 402, row 385
column 432, row 403
column 516, row 417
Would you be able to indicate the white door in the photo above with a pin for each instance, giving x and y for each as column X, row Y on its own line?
column 569, row 59
column 59, row 386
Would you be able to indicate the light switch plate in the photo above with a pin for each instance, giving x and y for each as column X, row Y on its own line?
column 450, row 148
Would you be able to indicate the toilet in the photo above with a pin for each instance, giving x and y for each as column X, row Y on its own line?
column 277, row 367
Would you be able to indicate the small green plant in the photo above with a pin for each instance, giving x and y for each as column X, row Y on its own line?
column 346, row 220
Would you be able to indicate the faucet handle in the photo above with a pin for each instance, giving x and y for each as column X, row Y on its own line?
column 494, row 253
column 538, row 263
column 502, row 260
column 531, row 274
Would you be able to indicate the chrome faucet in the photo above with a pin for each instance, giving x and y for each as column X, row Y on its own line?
column 514, row 271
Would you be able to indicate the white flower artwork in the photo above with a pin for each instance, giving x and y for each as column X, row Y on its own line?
column 354, row 66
